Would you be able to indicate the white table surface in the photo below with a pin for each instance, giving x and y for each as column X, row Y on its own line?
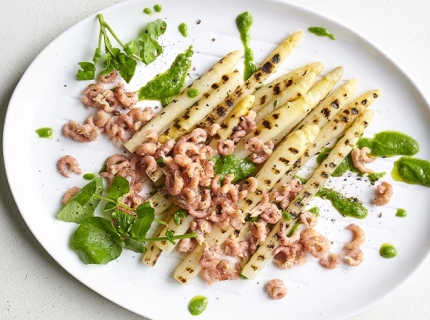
column 34, row 286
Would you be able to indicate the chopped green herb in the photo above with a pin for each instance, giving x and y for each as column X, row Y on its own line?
column 45, row 133
column 321, row 32
column 230, row 164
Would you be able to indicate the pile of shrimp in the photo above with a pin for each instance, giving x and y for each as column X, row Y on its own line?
column 210, row 198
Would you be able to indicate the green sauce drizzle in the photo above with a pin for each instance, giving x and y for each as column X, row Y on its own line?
column 147, row 11
column 387, row 251
column 412, row 171
column 315, row 211
column 390, row 143
column 244, row 22
column 157, row 8
column 89, row 176
column 197, row 305
column 375, row 176
column 344, row 166
column 183, row 29
column 401, row 213
column 168, row 84
column 45, row 133
column 321, row 32
column 349, row 207
column 192, row 93
column 229, row 164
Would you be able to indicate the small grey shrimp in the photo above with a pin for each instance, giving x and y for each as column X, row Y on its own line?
column 384, row 192
column 71, row 130
column 276, row 289
column 146, row 148
column 285, row 240
column 259, row 158
column 358, row 161
column 354, row 257
column 214, row 127
column 198, row 135
column 317, row 246
column 271, row 214
column 259, row 230
column 308, row 219
column 188, row 149
column 251, row 185
column 109, row 78
column 141, row 115
column 70, row 162
column 253, row 144
column 225, row 147
column 69, row 194
column 149, row 164
column 125, row 121
column 330, row 262
column 101, row 119
column 127, row 99
column 359, row 237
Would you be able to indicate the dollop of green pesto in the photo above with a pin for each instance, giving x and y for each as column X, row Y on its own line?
column 183, row 29
column 401, row 213
column 89, row 176
column 390, row 143
column 348, row 207
column 197, row 305
column 387, row 251
column 192, row 93
column 170, row 83
column 158, row 8
column 230, row 164
column 244, row 23
column 412, row 171
column 147, row 11
column 45, row 132
column 322, row 32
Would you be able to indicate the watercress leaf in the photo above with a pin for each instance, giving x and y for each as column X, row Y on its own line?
column 170, row 236
column 156, row 28
column 134, row 245
column 87, row 71
column 132, row 47
column 145, row 209
column 119, row 187
column 141, row 226
column 126, row 67
column 151, row 49
column 109, row 206
column 81, row 206
column 178, row 216
column 122, row 221
column 96, row 241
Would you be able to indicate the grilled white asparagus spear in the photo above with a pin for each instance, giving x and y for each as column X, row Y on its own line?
column 201, row 108
column 153, row 252
column 299, row 141
column 291, row 81
column 282, row 120
column 174, row 109
column 332, row 130
column 297, row 89
column 342, row 148
column 268, row 67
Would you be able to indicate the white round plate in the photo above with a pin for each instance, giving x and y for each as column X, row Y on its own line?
column 48, row 95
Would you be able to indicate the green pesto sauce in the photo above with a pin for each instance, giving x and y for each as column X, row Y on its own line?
column 168, row 84
column 412, row 171
column 244, row 22
column 322, row 32
column 387, row 251
column 401, row 213
column 158, row 8
column 349, row 207
column 315, row 211
column 229, row 164
column 89, row 176
column 147, row 11
column 45, row 133
column 192, row 93
column 375, row 176
column 344, row 166
column 183, row 29
column 197, row 305
column 390, row 143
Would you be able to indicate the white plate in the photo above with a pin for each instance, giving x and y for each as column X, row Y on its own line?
column 48, row 96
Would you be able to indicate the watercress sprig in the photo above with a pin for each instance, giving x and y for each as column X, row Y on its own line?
column 145, row 49
column 98, row 240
